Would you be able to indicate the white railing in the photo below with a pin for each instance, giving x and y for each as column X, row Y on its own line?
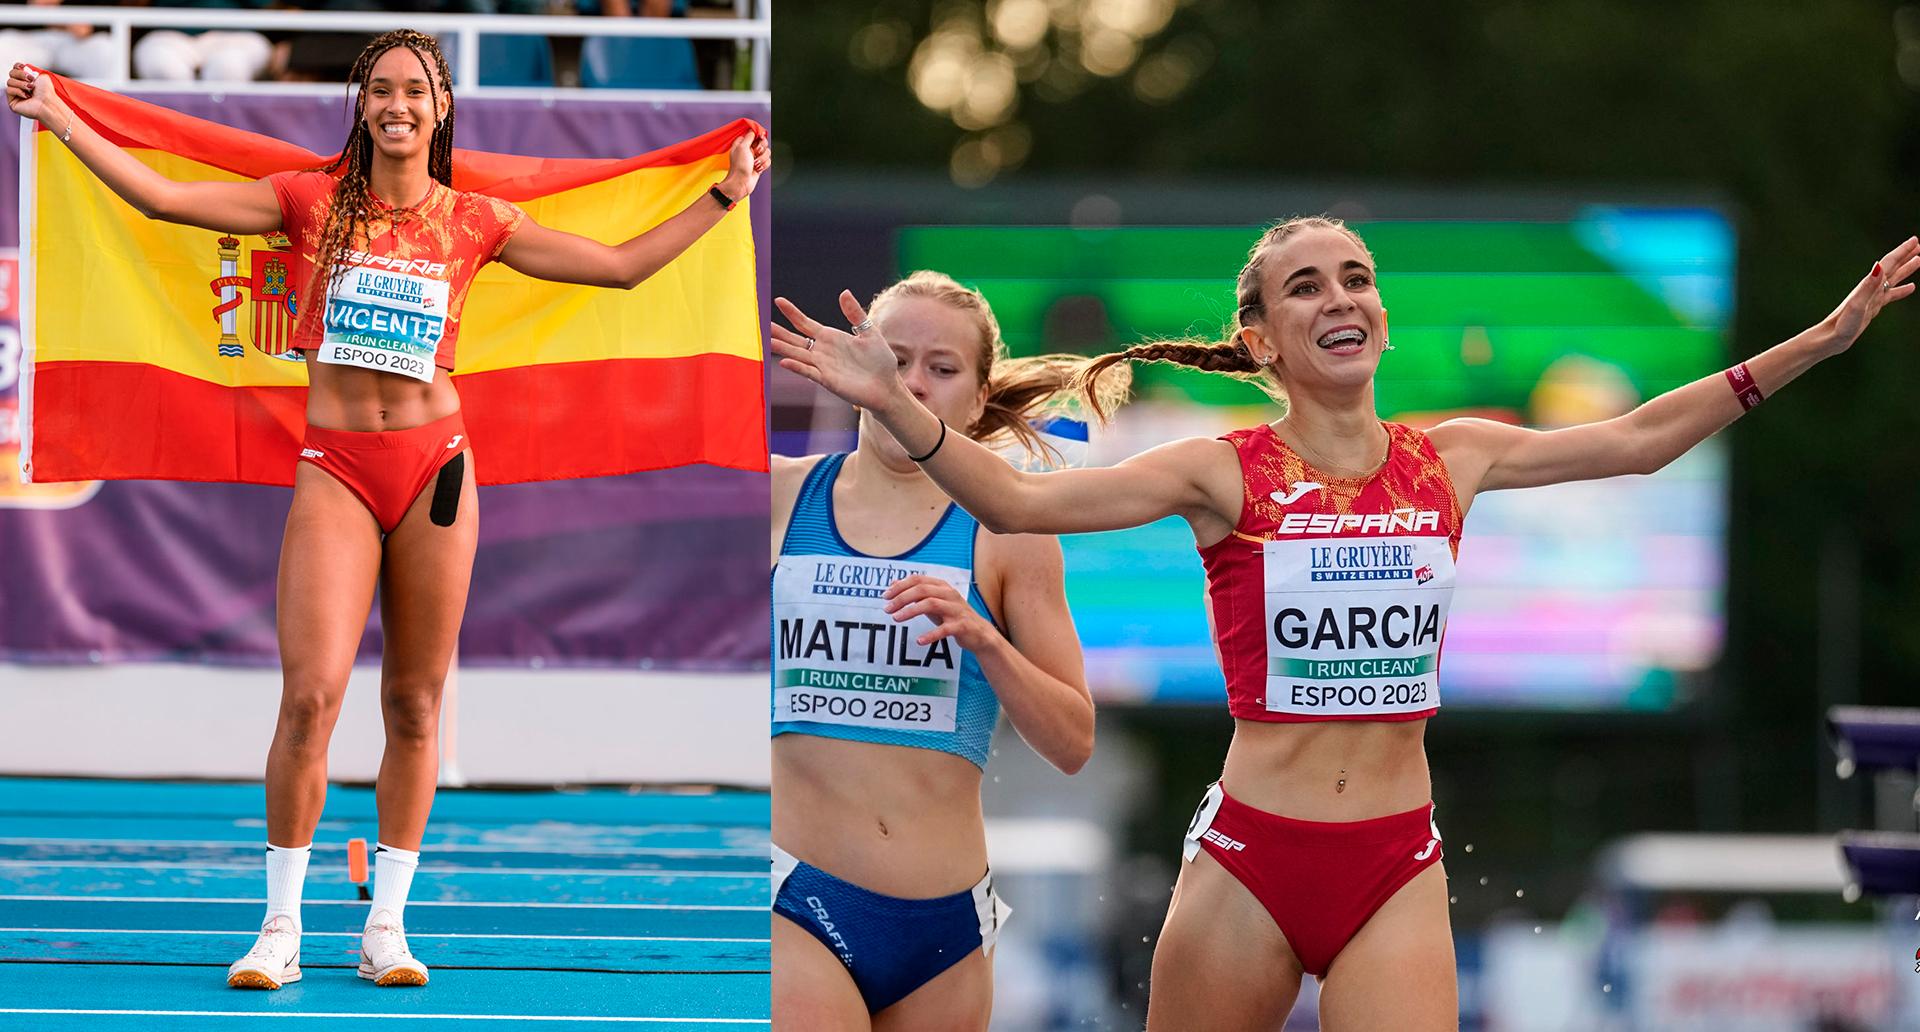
column 754, row 34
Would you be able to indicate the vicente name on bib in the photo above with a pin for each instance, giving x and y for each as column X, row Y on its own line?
column 1354, row 624
column 384, row 320
column 839, row 657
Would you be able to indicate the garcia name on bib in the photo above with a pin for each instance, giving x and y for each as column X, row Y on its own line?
column 1354, row 620
column 839, row 657
column 385, row 314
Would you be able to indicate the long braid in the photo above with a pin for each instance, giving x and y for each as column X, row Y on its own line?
column 347, row 213
column 1229, row 356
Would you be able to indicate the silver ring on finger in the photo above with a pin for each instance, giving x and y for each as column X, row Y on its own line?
column 865, row 325
column 810, row 343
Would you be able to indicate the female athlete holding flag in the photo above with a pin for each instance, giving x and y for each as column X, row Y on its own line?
column 384, row 251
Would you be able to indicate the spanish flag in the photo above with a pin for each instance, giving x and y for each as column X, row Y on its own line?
column 157, row 352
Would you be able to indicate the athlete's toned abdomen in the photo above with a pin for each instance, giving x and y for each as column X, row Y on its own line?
column 895, row 819
column 348, row 398
column 1331, row 770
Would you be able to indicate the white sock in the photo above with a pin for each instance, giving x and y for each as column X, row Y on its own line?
column 286, row 875
column 392, row 877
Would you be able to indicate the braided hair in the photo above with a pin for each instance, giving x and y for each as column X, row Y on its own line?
column 1018, row 389
column 1229, row 356
column 347, row 214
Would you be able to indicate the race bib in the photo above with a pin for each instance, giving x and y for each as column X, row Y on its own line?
column 1354, row 625
column 838, row 658
column 386, row 320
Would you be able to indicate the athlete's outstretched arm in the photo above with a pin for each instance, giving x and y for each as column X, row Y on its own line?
column 1035, row 667
column 1483, row 455
column 552, row 254
column 1170, row 480
column 243, row 208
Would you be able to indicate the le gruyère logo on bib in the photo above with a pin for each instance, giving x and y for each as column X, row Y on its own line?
column 1354, row 623
column 386, row 314
column 839, row 657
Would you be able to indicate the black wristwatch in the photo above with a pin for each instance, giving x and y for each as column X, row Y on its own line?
column 720, row 195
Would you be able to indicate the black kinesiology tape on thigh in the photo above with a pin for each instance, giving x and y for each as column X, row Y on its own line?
column 446, row 491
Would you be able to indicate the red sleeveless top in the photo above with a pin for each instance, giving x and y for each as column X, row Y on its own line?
column 1329, row 599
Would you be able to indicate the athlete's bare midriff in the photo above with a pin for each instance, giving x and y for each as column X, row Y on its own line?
column 1295, row 769
column 363, row 400
column 897, row 820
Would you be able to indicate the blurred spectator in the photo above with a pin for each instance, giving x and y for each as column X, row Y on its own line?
column 328, row 56
column 74, row 50
column 182, row 55
column 176, row 55
column 610, row 8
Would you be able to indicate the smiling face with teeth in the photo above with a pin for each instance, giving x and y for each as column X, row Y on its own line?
column 402, row 104
column 1318, row 318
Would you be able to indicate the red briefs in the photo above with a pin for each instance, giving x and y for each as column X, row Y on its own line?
column 386, row 469
column 1319, row 881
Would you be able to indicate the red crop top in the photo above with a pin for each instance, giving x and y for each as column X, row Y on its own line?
column 407, row 277
column 1329, row 599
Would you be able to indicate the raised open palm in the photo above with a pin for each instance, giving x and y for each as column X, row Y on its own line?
column 859, row 368
column 1885, row 284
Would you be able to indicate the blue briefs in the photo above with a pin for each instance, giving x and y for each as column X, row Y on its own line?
column 890, row 946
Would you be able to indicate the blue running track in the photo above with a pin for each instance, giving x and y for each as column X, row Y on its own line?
column 122, row 903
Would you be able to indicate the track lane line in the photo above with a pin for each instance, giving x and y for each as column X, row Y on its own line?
column 505, row 905
column 360, row 1014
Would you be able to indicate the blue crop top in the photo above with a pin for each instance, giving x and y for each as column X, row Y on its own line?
column 844, row 669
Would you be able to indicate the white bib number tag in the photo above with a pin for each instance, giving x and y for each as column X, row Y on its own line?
column 384, row 320
column 838, row 658
column 1354, row 624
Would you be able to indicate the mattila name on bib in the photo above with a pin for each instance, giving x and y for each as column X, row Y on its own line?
column 840, row 658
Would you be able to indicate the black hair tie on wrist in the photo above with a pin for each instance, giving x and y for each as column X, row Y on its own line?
column 936, row 445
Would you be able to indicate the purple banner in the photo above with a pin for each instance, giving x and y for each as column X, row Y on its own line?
column 664, row 570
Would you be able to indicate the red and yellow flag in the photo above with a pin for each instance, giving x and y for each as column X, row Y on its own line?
column 157, row 352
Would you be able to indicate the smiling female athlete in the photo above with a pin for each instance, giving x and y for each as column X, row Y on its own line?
column 1316, row 852
column 384, row 250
